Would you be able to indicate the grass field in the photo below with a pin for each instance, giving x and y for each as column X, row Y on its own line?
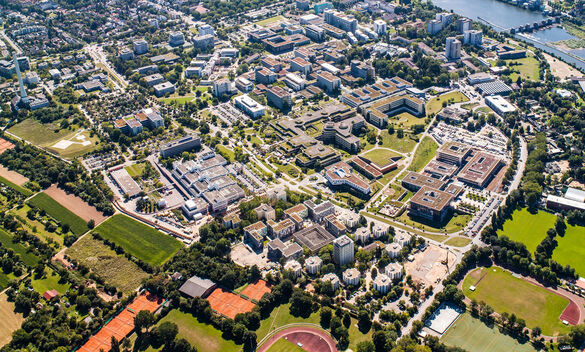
column 471, row 334
column 436, row 104
column 49, row 282
column 115, row 269
column 458, row 241
column 528, row 228
column 424, row 153
column 281, row 316
column 453, row 224
column 402, row 145
column 139, row 240
column 270, row 20
column 10, row 321
column 36, row 227
column 27, row 258
column 571, row 249
column 25, row 192
column 227, row 153
column 179, row 99
column 528, row 68
column 506, row 293
column 135, row 169
column 5, row 279
column 380, row 157
column 283, row 345
column 203, row 336
column 405, row 120
column 59, row 212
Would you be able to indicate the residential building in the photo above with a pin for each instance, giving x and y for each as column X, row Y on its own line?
column 318, row 212
column 343, row 250
column 434, row 27
column 313, row 265
column 393, row 249
column 393, row 270
column 254, row 234
column 140, row 46
column 222, row 87
column 333, row 279
column 380, row 26
column 351, row 277
column 265, row 76
column 382, row 283
column 463, row 24
column 362, row 235
column 315, row 33
column 265, row 211
column 340, row 20
column 302, row 5
column 333, row 225
column 293, row 267
column 301, row 65
column 283, row 229
column 473, row 37
column 452, row 48
column 176, row 39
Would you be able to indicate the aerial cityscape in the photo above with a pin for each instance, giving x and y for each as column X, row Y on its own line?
column 292, row 176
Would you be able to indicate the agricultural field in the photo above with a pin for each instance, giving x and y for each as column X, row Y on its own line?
column 528, row 228
column 507, row 293
column 380, row 157
column 115, row 269
column 424, row 153
column 139, row 240
column 37, row 228
column 571, row 249
column 472, row 334
column 10, row 321
column 436, row 104
column 205, row 337
column 58, row 212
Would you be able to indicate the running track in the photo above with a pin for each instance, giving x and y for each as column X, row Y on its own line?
column 313, row 340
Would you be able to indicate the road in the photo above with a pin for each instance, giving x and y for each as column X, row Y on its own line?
column 97, row 54
column 11, row 43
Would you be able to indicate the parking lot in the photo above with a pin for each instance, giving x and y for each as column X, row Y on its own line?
column 228, row 113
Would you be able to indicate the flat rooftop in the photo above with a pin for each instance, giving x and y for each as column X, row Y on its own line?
column 314, row 237
column 432, row 198
column 479, row 168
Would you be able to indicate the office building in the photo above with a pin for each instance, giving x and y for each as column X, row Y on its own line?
column 279, row 97
column 377, row 112
column 264, row 76
column 164, row 88
column 254, row 234
column 431, row 204
column 303, row 5
column 328, row 82
column 343, row 250
column 203, row 41
column 500, row 105
column 340, row 175
column 244, row 85
column 301, row 65
column 315, row 32
column 340, row 20
column 322, row 6
column 205, row 29
column 249, row 106
column 222, row 87
column 452, row 48
column 178, row 146
column 318, row 212
column 453, row 152
column 480, row 170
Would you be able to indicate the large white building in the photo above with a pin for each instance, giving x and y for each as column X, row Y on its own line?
column 473, row 37
column 294, row 267
column 313, row 264
column 362, row 235
column 393, row 270
column 500, row 105
column 331, row 277
column 351, row 277
column 402, row 239
column 380, row 26
column 249, row 106
column 343, row 250
column 382, row 283
column 393, row 249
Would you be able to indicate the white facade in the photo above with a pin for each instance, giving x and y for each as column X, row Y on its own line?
column 249, row 106
column 351, row 220
column 379, row 230
column 351, row 277
column 402, row 239
column 473, row 37
column 343, row 250
column 393, row 249
column 394, row 271
column 362, row 235
column 380, row 26
column 313, row 264
column 331, row 277
column 452, row 48
column 294, row 267
column 382, row 283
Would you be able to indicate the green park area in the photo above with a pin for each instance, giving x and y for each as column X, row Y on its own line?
column 58, row 212
column 436, row 104
column 50, row 280
column 505, row 292
column 402, row 145
column 458, row 241
column 68, row 142
column 472, row 334
column 114, row 269
column 180, row 100
column 527, row 68
column 205, row 337
column 27, row 257
column 528, row 228
column 424, row 153
column 380, row 156
column 570, row 249
column 139, row 240
column 270, row 20
column 37, row 228
column 283, row 345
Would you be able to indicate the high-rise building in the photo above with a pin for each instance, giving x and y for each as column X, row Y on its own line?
column 463, row 24
column 340, row 20
column 140, row 46
column 23, row 97
column 473, row 37
column 452, row 48
column 380, row 26
column 176, row 39
column 434, row 27
column 343, row 250
column 445, row 17
column 205, row 29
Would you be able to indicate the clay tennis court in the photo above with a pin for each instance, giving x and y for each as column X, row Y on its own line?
column 228, row 304
column 256, row 290
column 5, row 145
column 75, row 204
column 122, row 324
column 311, row 339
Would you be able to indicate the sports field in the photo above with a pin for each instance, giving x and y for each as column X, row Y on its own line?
column 256, row 290
column 424, row 153
column 114, row 269
column 571, row 249
column 229, row 304
column 139, row 240
column 473, row 335
column 283, row 345
column 506, row 293
column 59, row 212
column 528, row 228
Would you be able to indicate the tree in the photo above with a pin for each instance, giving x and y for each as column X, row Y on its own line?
column 366, row 346
column 325, row 317
column 346, row 320
column 167, row 332
column 364, row 321
column 143, row 320
column 380, row 341
column 83, row 303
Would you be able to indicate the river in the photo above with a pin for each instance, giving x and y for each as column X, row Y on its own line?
column 510, row 16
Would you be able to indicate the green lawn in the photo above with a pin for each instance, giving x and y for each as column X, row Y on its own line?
column 402, row 145
column 528, row 228
column 270, row 20
column 571, row 249
column 226, row 153
column 472, row 334
column 59, row 212
column 25, row 192
column 436, row 104
column 458, row 241
column 49, row 282
column 506, row 293
column 179, row 99
column 528, row 68
column 27, row 258
column 405, row 120
column 114, row 269
column 424, row 153
column 135, row 170
column 453, row 224
column 380, row 157
column 283, row 345
column 139, row 240
column 204, row 337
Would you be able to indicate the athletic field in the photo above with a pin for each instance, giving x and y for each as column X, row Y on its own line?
column 507, row 293
column 571, row 249
column 528, row 228
column 283, row 345
column 471, row 334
